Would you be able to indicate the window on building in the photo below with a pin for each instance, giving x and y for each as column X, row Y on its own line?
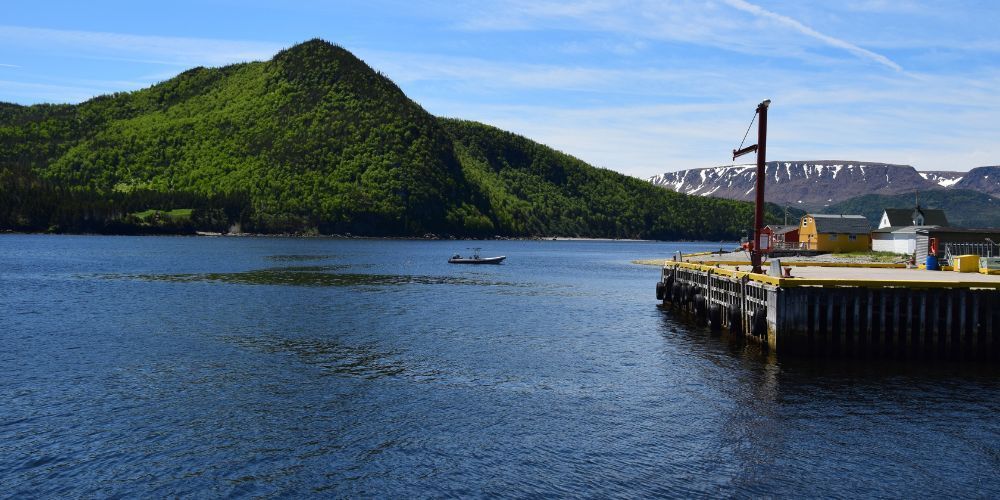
column 833, row 236
column 853, row 237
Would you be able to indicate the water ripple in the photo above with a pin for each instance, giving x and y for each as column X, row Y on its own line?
column 164, row 367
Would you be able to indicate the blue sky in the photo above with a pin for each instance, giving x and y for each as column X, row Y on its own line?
column 641, row 87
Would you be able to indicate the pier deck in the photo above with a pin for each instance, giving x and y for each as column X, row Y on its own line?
column 855, row 311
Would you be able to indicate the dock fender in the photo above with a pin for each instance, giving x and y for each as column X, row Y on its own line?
column 759, row 324
column 735, row 323
column 715, row 316
column 699, row 305
column 668, row 288
column 661, row 288
column 675, row 296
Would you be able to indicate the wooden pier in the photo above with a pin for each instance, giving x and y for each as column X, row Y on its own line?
column 844, row 312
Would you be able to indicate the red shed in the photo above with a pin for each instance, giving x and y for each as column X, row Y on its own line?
column 782, row 237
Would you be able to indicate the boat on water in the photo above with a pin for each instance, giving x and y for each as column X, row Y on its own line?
column 475, row 258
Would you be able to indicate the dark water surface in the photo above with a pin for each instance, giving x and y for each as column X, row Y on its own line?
column 164, row 366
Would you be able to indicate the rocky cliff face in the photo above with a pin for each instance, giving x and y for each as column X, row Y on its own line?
column 807, row 184
column 982, row 179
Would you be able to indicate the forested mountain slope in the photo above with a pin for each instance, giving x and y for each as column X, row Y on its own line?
column 530, row 188
column 313, row 141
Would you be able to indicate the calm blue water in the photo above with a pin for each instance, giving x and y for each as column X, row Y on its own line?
column 163, row 366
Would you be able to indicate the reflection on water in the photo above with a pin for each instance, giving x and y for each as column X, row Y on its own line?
column 314, row 276
column 298, row 258
column 891, row 417
column 304, row 269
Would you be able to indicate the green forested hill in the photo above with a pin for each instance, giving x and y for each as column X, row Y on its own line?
column 313, row 140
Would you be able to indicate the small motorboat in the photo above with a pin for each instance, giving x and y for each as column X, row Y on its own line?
column 475, row 259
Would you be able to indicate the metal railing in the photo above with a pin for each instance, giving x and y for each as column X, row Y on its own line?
column 794, row 245
column 984, row 249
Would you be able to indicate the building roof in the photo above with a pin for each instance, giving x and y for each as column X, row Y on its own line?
column 904, row 216
column 988, row 231
column 902, row 230
column 781, row 229
column 856, row 224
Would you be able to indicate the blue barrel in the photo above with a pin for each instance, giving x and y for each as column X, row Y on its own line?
column 932, row 264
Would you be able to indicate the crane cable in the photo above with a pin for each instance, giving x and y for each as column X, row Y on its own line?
column 748, row 130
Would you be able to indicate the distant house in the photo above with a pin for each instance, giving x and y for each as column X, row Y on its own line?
column 897, row 230
column 782, row 237
column 902, row 217
column 834, row 233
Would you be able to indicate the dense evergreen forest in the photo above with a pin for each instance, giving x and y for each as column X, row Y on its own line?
column 313, row 142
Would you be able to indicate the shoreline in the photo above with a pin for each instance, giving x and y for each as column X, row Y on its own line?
column 348, row 236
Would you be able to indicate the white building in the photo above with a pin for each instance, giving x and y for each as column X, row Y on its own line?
column 902, row 240
column 897, row 230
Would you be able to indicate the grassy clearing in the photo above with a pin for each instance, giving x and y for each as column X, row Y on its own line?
column 176, row 214
column 874, row 256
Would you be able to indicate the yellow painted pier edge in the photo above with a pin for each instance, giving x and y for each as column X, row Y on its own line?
column 804, row 263
column 795, row 282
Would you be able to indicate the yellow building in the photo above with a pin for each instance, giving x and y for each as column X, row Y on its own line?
column 835, row 233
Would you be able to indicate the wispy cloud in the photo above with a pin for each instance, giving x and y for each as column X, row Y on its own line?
column 30, row 92
column 405, row 67
column 758, row 11
column 708, row 24
column 679, row 121
column 182, row 51
column 524, row 14
column 886, row 6
column 170, row 54
column 644, row 141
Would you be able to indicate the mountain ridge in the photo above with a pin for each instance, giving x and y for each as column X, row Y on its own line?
column 817, row 183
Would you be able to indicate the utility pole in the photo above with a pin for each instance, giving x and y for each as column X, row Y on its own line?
column 756, row 256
